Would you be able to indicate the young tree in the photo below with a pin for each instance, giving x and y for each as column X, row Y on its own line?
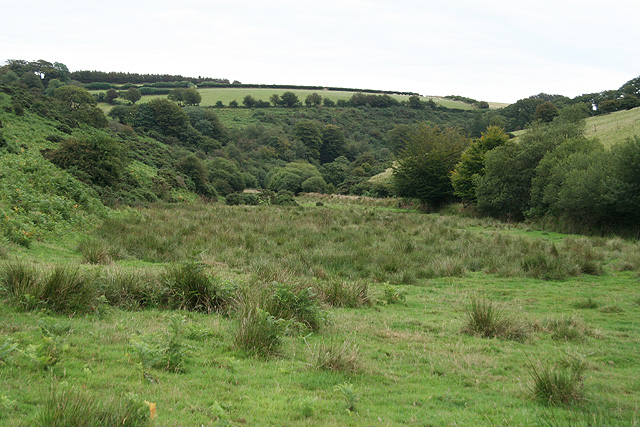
column 471, row 165
column 249, row 101
column 313, row 100
column 132, row 95
column 424, row 168
column 290, row 99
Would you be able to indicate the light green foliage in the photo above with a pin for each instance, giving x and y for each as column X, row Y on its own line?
column 350, row 395
column 37, row 198
column 165, row 351
column 299, row 304
column 291, row 176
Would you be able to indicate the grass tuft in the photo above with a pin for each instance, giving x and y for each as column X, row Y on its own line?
column 74, row 408
column 68, row 290
column 346, row 294
column 190, row 287
column 95, row 251
column 334, row 356
column 558, row 384
column 486, row 320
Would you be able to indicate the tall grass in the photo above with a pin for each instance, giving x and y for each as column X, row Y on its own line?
column 63, row 290
column 191, row 287
column 485, row 319
column 350, row 243
column 561, row 383
column 75, row 408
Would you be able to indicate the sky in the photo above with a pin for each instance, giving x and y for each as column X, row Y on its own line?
column 491, row 50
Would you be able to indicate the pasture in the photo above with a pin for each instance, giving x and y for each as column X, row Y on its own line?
column 381, row 322
column 210, row 96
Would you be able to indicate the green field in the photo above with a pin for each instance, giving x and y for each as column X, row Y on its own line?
column 212, row 95
column 397, row 348
column 610, row 128
column 614, row 127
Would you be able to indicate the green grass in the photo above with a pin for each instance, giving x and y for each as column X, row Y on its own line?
column 407, row 363
column 210, row 96
column 611, row 128
column 614, row 127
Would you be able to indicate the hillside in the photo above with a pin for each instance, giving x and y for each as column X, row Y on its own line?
column 614, row 127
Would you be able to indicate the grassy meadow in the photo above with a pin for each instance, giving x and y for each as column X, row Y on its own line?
column 613, row 127
column 210, row 96
column 351, row 311
column 610, row 128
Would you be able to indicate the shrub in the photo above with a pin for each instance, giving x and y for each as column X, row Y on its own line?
column 334, row 356
column 559, row 384
column 298, row 304
column 346, row 294
column 190, row 287
column 486, row 320
column 285, row 198
column 73, row 408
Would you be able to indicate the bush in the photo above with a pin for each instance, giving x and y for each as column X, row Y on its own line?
column 285, row 198
column 190, row 287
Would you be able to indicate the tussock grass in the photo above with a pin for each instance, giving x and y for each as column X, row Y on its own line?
column 559, row 383
column 333, row 355
column 340, row 293
column 68, row 290
column 588, row 303
column 566, row 328
column 74, row 408
column 191, row 287
column 131, row 289
column 349, row 242
column 258, row 333
column 487, row 320
column 63, row 290
column 21, row 283
column 95, row 251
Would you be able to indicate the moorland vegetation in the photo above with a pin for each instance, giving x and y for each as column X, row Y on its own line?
column 171, row 264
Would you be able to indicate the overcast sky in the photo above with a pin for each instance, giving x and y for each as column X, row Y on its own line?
column 491, row 50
